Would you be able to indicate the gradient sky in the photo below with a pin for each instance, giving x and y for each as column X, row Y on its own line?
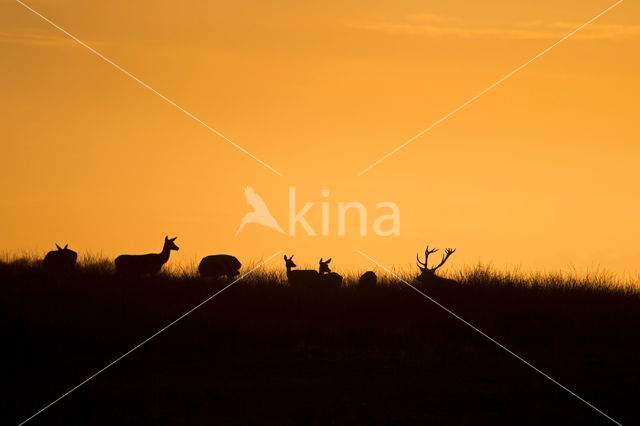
column 539, row 173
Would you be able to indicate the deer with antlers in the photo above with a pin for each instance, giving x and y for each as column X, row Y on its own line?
column 427, row 274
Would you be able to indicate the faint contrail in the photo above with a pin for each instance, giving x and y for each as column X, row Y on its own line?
column 127, row 73
column 398, row 148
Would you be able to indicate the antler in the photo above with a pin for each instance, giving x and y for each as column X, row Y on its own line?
column 427, row 252
column 448, row 252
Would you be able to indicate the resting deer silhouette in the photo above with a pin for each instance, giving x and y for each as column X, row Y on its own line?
column 328, row 277
column 427, row 274
column 300, row 277
column 219, row 265
column 368, row 279
column 60, row 261
column 145, row 264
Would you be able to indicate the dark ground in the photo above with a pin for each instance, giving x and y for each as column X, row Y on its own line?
column 262, row 353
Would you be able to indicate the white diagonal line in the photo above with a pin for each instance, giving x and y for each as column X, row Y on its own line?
column 127, row 73
column 150, row 337
column 500, row 345
column 372, row 165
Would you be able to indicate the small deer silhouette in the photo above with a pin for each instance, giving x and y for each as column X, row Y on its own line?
column 427, row 274
column 368, row 279
column 327, row 277
column 145, row 264
column 219, row 265
column 60, row 261
column 301, row 277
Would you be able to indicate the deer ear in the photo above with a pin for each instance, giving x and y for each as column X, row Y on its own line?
column 285, row 257
column 173, row 239
column 328, row 261
column 58, row 247
column 321, row 260
column 65, row 246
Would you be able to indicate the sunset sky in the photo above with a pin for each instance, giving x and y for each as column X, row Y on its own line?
column 541, row 172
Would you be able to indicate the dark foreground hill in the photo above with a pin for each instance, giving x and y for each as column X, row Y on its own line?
column 264, row 353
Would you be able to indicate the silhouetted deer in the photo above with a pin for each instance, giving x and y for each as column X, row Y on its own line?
column 60, row 261
column 328, row 278
column 428, row 274
column 302, row 277
column 368, row 279
column 145, row 264
column 219, row 265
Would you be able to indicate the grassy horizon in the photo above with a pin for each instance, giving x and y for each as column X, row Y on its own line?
column 263, row 341
column 480, row 273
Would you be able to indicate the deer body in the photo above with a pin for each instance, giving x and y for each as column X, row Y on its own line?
column 219, row 265
column 301, row 277
column 368, row 279
column 327, row 277
column 145, row 264
column 62, row 260
column 428, row 275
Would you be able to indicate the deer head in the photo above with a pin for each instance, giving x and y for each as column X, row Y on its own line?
column 324, row 266
column 169, row 243
column 62, row 248
column 429, row 273
column 289, row 262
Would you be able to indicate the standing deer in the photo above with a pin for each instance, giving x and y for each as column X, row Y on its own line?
column 145, row 264
column 302, row 277
column 60, row 261
column 427, row 274
column 327, row 277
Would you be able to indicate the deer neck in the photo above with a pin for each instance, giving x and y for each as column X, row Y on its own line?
column 164, row 254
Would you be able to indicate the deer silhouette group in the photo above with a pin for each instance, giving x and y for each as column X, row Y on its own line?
column 63, row 260
column 309, row 277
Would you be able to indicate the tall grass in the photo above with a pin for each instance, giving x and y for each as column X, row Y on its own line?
column 485, row 275
column 580, row 328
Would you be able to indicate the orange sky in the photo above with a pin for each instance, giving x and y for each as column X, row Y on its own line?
column 541, row 172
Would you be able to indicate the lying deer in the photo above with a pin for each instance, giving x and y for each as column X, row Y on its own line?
column 427, row 274
column 219, row 265
column 301, row 277
column 328, row 278
column 60, row 261
column 145, row 264
column 368, row 279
